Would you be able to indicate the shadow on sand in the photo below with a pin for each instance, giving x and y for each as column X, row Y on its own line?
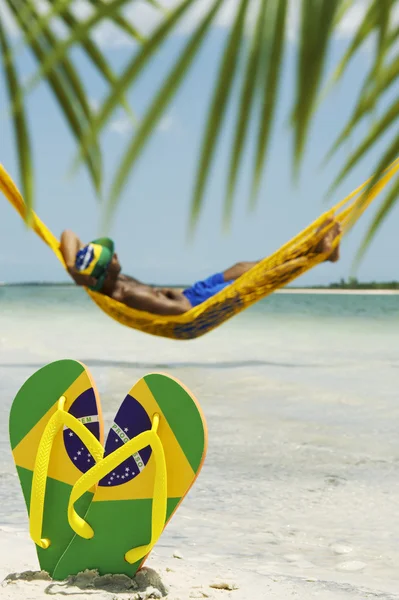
column 122, row 364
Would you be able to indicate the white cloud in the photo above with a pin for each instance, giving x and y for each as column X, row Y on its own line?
column 352, row 19
column 145, row 18
column 121, row 125
column 166, row 123
column 82, row 9
column 94, row 104
column 108, row 35
column 124, row 125
column 344, row 30
column 8, row 20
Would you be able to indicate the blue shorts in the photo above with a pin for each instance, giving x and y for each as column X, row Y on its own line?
column 202, row 290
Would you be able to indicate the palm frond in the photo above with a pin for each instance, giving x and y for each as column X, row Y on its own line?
column 57, row 54
column 246, row 107
column 26, row 8
column 343, row 9
column 123, row 23
column 62, row 90
column 390, row 156
column 226, row 74
column 377, row 82
column 133, row 70
column 58, row 8
column 391, row 115
column 164, row 96
column 365, row 29
column 388, row 76
column 41, row 26
column 21, row 130
column 97, row 58
column 383, row 19
column 270, row 93
column 317, row 20
column 382, row 213
column 69, row 73
column 393, row 36
column 155, row 4
column 382, row 25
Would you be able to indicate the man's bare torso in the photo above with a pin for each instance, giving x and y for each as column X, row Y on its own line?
column 136, row 294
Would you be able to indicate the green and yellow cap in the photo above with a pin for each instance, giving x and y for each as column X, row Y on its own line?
column 94, row 260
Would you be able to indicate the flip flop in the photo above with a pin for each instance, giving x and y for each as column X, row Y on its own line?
column 55, row 409
column 153, row 454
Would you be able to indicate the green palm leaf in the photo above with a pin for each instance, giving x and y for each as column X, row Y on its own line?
column 41, row 27
column 57, row 54
column 382, row 23
column 391, row 115
column 317, row 20
column 393, row 36
column 390, row 155
column 123, row 23
column 62, row 91
column 156, row 5
column 28, row 7
column 246, row 106
column 382, row 213
column 134, row 68
column 365, row 29
column 225, row 77
column 97, row 59
column 59, row 8
column 343, row 8
column 388, row 76
column 70, row 75
column 164, row 96
column 21, row 131
column 384, row 10
column 271, row 83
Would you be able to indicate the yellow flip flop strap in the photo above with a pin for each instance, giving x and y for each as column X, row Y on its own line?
column 108, row 464
column 40, row 471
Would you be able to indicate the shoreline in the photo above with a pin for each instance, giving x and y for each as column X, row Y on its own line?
column 287, row 290
column 368, row 292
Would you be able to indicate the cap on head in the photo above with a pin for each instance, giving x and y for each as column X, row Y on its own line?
column 94, row 260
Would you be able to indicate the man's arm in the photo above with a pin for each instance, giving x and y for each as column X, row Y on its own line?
column 153, row 302
column 70, row 245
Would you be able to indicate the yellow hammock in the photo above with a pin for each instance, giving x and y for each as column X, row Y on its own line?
column 261, row 280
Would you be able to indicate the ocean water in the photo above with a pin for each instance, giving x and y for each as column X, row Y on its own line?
column 301, row 397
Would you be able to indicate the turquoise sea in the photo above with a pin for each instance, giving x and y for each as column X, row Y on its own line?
column 301, row 396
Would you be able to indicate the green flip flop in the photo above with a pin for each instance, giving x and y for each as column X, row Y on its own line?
column 153, row 454
column 55, row 414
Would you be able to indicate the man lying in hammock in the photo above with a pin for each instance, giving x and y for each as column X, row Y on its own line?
column 97, row 267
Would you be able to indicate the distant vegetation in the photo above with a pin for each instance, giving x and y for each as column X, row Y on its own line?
column 353, row 284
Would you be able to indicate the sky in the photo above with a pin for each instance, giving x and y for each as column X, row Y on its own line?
column 151, row 224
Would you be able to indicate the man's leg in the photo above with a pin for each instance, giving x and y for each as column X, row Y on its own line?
column 238, row 269
column 323, row 247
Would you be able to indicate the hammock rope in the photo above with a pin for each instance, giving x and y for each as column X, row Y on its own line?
column 273, row 272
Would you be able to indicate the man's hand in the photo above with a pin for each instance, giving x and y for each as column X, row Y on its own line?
column 81, row 279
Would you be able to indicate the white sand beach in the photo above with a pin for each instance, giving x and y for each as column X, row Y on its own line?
column 299, row 491
column 179, row 579
column 175, row 579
